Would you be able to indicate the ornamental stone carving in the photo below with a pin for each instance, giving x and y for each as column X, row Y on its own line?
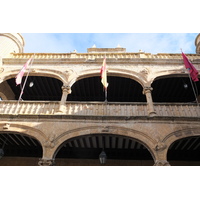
column 160, row 146
column 46, row 162
column 50, row 143
column 66, row 89
column 147, row 90
column 6, row 126
column 161, row 163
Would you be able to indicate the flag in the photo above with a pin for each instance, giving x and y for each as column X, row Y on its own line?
column 18, row 78
column 192, row 70
column 104, row 74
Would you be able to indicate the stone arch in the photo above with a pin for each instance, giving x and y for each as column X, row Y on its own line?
column 172, row 137
column 177, row 135
column 112, row 72
column 142, row 138
column 174, row 88
column 62, row 76
column 26, row 130
column 172, row 74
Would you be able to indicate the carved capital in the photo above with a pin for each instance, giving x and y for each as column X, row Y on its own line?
column 66, row 89
column 46, row 162
column 147, row 90
column 161, row 163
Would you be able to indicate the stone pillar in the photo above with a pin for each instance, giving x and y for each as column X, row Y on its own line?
column 160, row 152
column 65, row 91
column 147, row 92
column 46, row 162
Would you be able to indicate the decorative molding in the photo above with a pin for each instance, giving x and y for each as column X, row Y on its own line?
column 6, row 126
column 50, row 142
column 160, row 146
column 147, row 90
column 46, row 162
column 161, row 163
column 67, row 89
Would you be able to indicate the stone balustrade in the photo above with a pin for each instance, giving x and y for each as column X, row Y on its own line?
column 92, row 56
column 97, row 109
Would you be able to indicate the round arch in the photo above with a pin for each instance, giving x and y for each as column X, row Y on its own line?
column 142, row 138
column 26, row 130
column 62, row 76
column 120, row 89
column 174, row 88
column 185, row 151
column 19, row 149
column 111, row 72
column 172, row 137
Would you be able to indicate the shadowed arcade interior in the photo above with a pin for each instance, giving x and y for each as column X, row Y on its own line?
column 116, row 147
column 185, row 150
column 168, row 89
column 19, row 145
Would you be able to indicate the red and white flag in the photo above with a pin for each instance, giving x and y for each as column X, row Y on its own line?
column 104, row 74
column 192, row 70
column 18, row 78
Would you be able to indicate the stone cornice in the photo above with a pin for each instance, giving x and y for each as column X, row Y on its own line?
column 55, row 58
column 102, row 55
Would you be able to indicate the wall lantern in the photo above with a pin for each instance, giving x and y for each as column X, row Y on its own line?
column 102, row 157
column 31, row 84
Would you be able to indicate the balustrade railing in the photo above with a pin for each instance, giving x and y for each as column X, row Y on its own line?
column 97, row 109
column 89, row 56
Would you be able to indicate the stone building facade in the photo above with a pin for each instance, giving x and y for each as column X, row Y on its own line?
column 151, row 116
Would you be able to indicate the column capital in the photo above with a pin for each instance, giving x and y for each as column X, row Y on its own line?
column 46, row 162
column 161, row 163
column 147, row 89
column 66, row 89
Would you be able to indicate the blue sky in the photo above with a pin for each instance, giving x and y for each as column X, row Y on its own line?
column 133, row 42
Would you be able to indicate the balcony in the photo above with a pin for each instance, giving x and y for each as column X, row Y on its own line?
column 96, row 109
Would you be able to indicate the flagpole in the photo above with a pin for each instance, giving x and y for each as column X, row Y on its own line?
column 22, row 90
column 193, row 88
column 192, row 83
column 106, row 95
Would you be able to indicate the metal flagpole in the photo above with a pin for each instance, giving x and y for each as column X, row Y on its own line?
column 193, row 88
column 106, row 93
column 22, row 90
column 191, row 83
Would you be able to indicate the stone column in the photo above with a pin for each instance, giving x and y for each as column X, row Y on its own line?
column 160, row 152
column 147, row 92
column 65, row 91
column 46, row 162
